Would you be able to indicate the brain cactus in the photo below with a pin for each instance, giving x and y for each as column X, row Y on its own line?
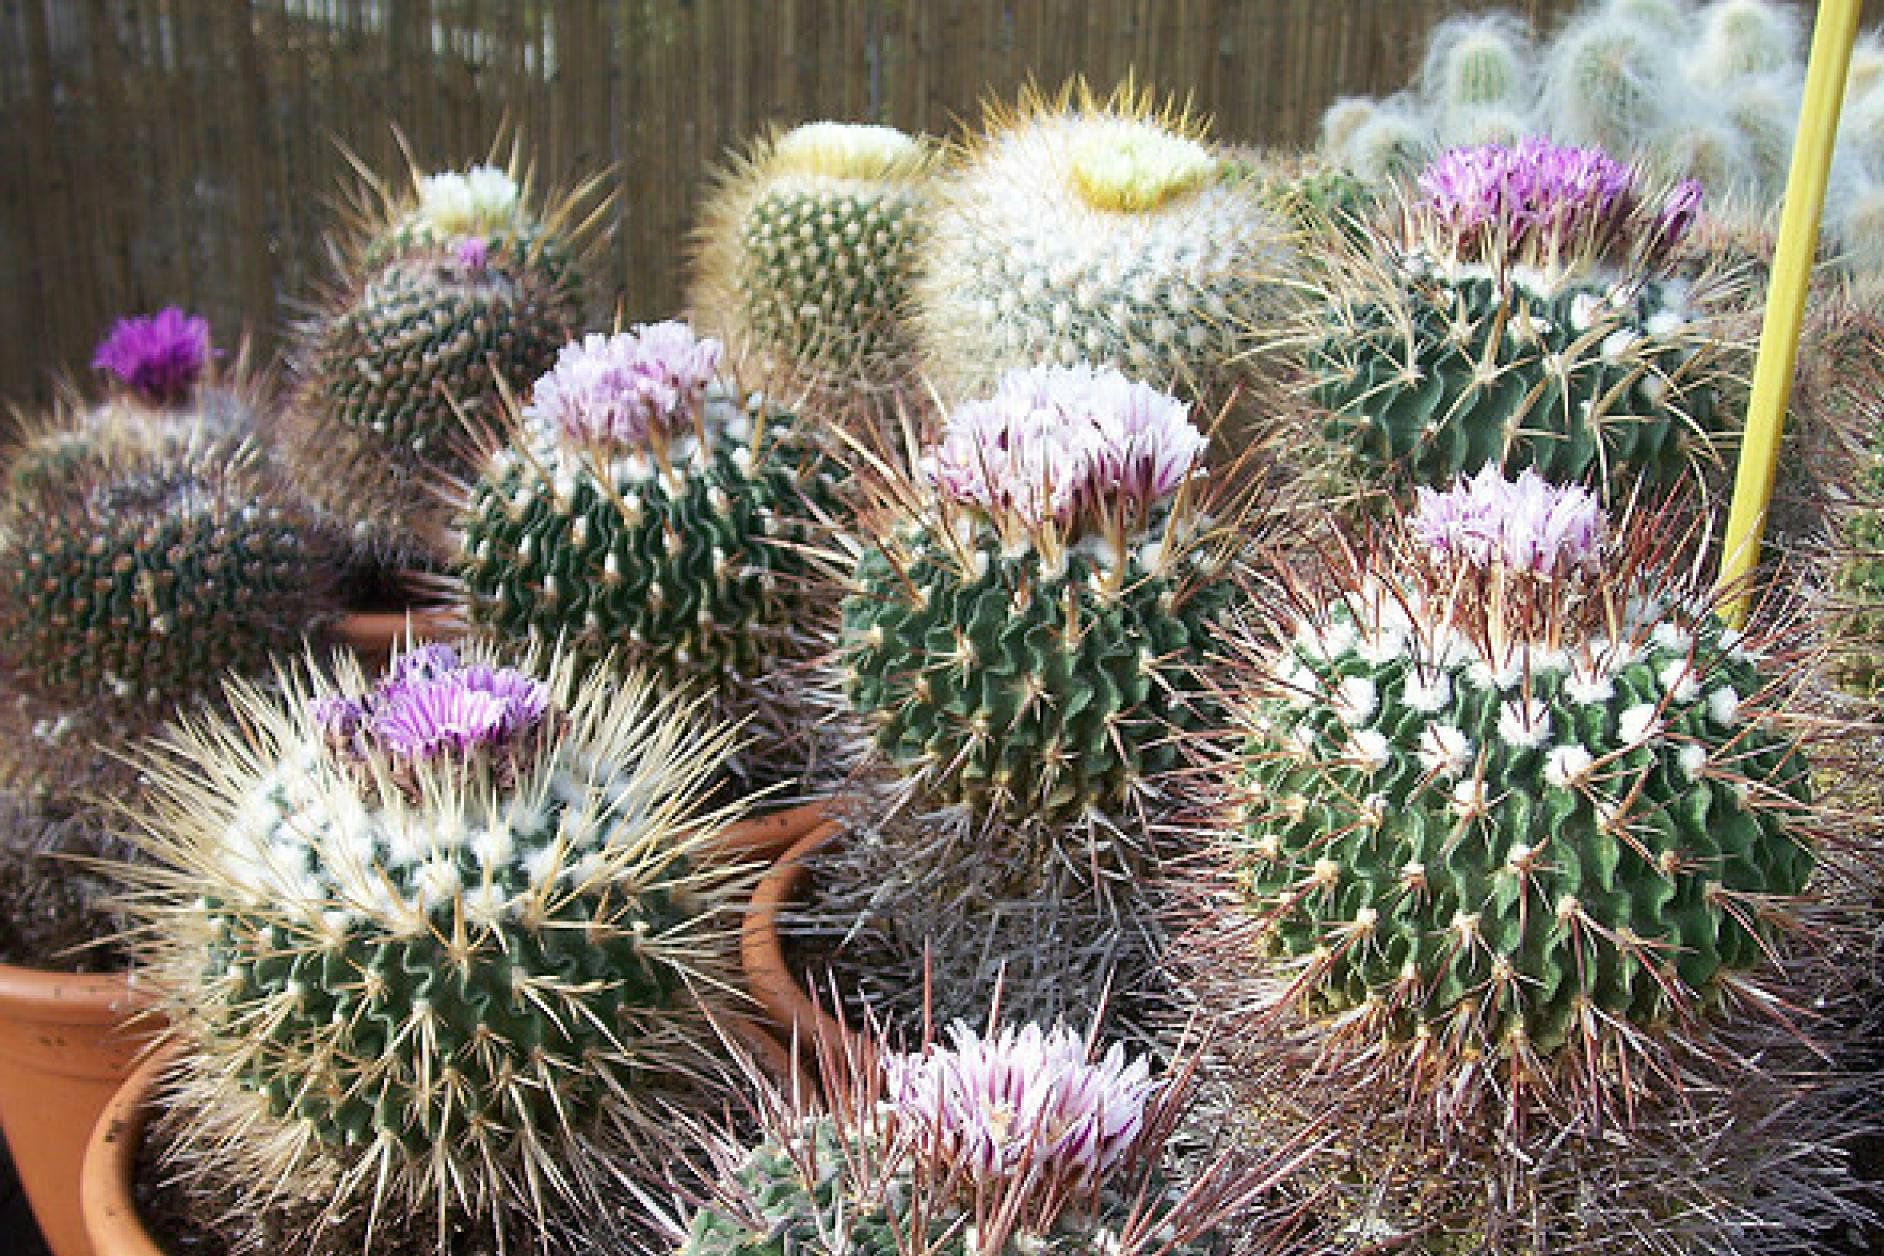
column 645, row 511
column 1524, row 319
column 442, row 946
column 1096, row 231
column 1022, row 639
column 807, row 251
column 1511, row 796
column 990, row 1146
column 453, row 295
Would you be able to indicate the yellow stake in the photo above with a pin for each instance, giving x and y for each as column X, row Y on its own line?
column 1832, row 35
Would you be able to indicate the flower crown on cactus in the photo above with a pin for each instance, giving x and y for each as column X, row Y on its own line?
column 1011, row 1141
column 159, row 358
column 1552, row 209
column 633, row 390
column 1515, row 812
column 447, row 945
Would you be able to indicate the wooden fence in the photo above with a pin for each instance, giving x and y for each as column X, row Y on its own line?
column 183, row 151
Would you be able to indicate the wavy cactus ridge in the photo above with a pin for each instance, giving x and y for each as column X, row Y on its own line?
column 422, row 969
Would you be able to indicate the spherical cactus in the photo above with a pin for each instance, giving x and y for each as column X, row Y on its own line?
column 1341, row 120
column 996, row 1145
column 1077, row 229
column 453, row 293
column 643, row 510
column 1020, row 633
column 1477, row 63
column 133, row 579
column 806, row 253
column 1744, row 39
column 1608, row 81
column 1527, row 888
column 1510, row 796
column 446, row 947
column 1484, row 336
column 1390, row 145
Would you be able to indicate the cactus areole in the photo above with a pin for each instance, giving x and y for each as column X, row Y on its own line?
column 1499, row 797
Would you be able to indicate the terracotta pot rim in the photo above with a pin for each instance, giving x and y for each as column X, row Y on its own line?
column 80, row 998
column 769, row 979
column 107, row 1194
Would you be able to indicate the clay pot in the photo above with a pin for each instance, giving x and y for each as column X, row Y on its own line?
column 790, row 1010
column 67, row 1041
column 107, row 1198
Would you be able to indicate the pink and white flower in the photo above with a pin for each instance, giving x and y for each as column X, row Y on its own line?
column 1526, row 525
column 628, row 388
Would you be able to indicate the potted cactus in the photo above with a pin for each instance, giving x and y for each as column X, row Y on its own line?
column 1529, row 895
column 644, row 508
column 437, row 954
column 1016, row 1140
column 145, row 549
column 1021, row 628
column 1523, row 315
column 804, row 260
column 451, row 291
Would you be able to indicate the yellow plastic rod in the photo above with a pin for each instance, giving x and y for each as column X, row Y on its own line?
column 1832, row 34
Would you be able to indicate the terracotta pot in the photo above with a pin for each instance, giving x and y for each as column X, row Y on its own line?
column 66, row 1043
column 107, row 1197
column 373, row 634
column 786, row 1005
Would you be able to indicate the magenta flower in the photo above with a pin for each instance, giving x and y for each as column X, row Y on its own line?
column 427, row 718
column 1543, row 203
column 473, row 252
column 627, row 388
column 1055, row 442
column 1023, row 1102
column 1524, row 525
column 160, row 357
column 428, row 705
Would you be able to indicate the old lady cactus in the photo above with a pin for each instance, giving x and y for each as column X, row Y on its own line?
column 1025, row 615
column 1523, row 317
column 446, row 945
column 643, row 510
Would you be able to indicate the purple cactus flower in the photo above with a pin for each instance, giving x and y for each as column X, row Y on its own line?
column 473, row 252
column 1021, row 1102
column 1526, row 525
column 337, row 715
column 627, row 388
column 424, row 662
column 1055, row 441
column 427, row 718
column 1544, row 203
column 160, row 357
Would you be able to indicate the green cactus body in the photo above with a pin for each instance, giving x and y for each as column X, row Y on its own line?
column 424, row 333
column 806, row 255
column 1510, row 849
column 150, row 587
column 523, row 249
column 1482, row 70
column 370, row 1002
column 1038, row 694
column 829, row 1212
column 695, row 569
column 459, row 974
column 1100, row 236
column 1585, row 383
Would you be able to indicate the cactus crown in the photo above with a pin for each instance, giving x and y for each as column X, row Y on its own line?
column 1513, row 795
column 160, row 358
column 847, row 150
column 442, row 945
column 1544, row 209
column 1132, row 165
column 992, row 1145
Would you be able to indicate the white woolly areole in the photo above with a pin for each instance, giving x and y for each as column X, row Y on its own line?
column 1589, row 688
column 1639, row 724
column 1679, row 680
column 1693, row 760
column 1427, row 693
column 480, row 199
column 1524, row 723
column 1128, row 164
column 1445, row 750
column 1369, row 748
column 1566, row 766
column 1723, row 706
column 1356, row 700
